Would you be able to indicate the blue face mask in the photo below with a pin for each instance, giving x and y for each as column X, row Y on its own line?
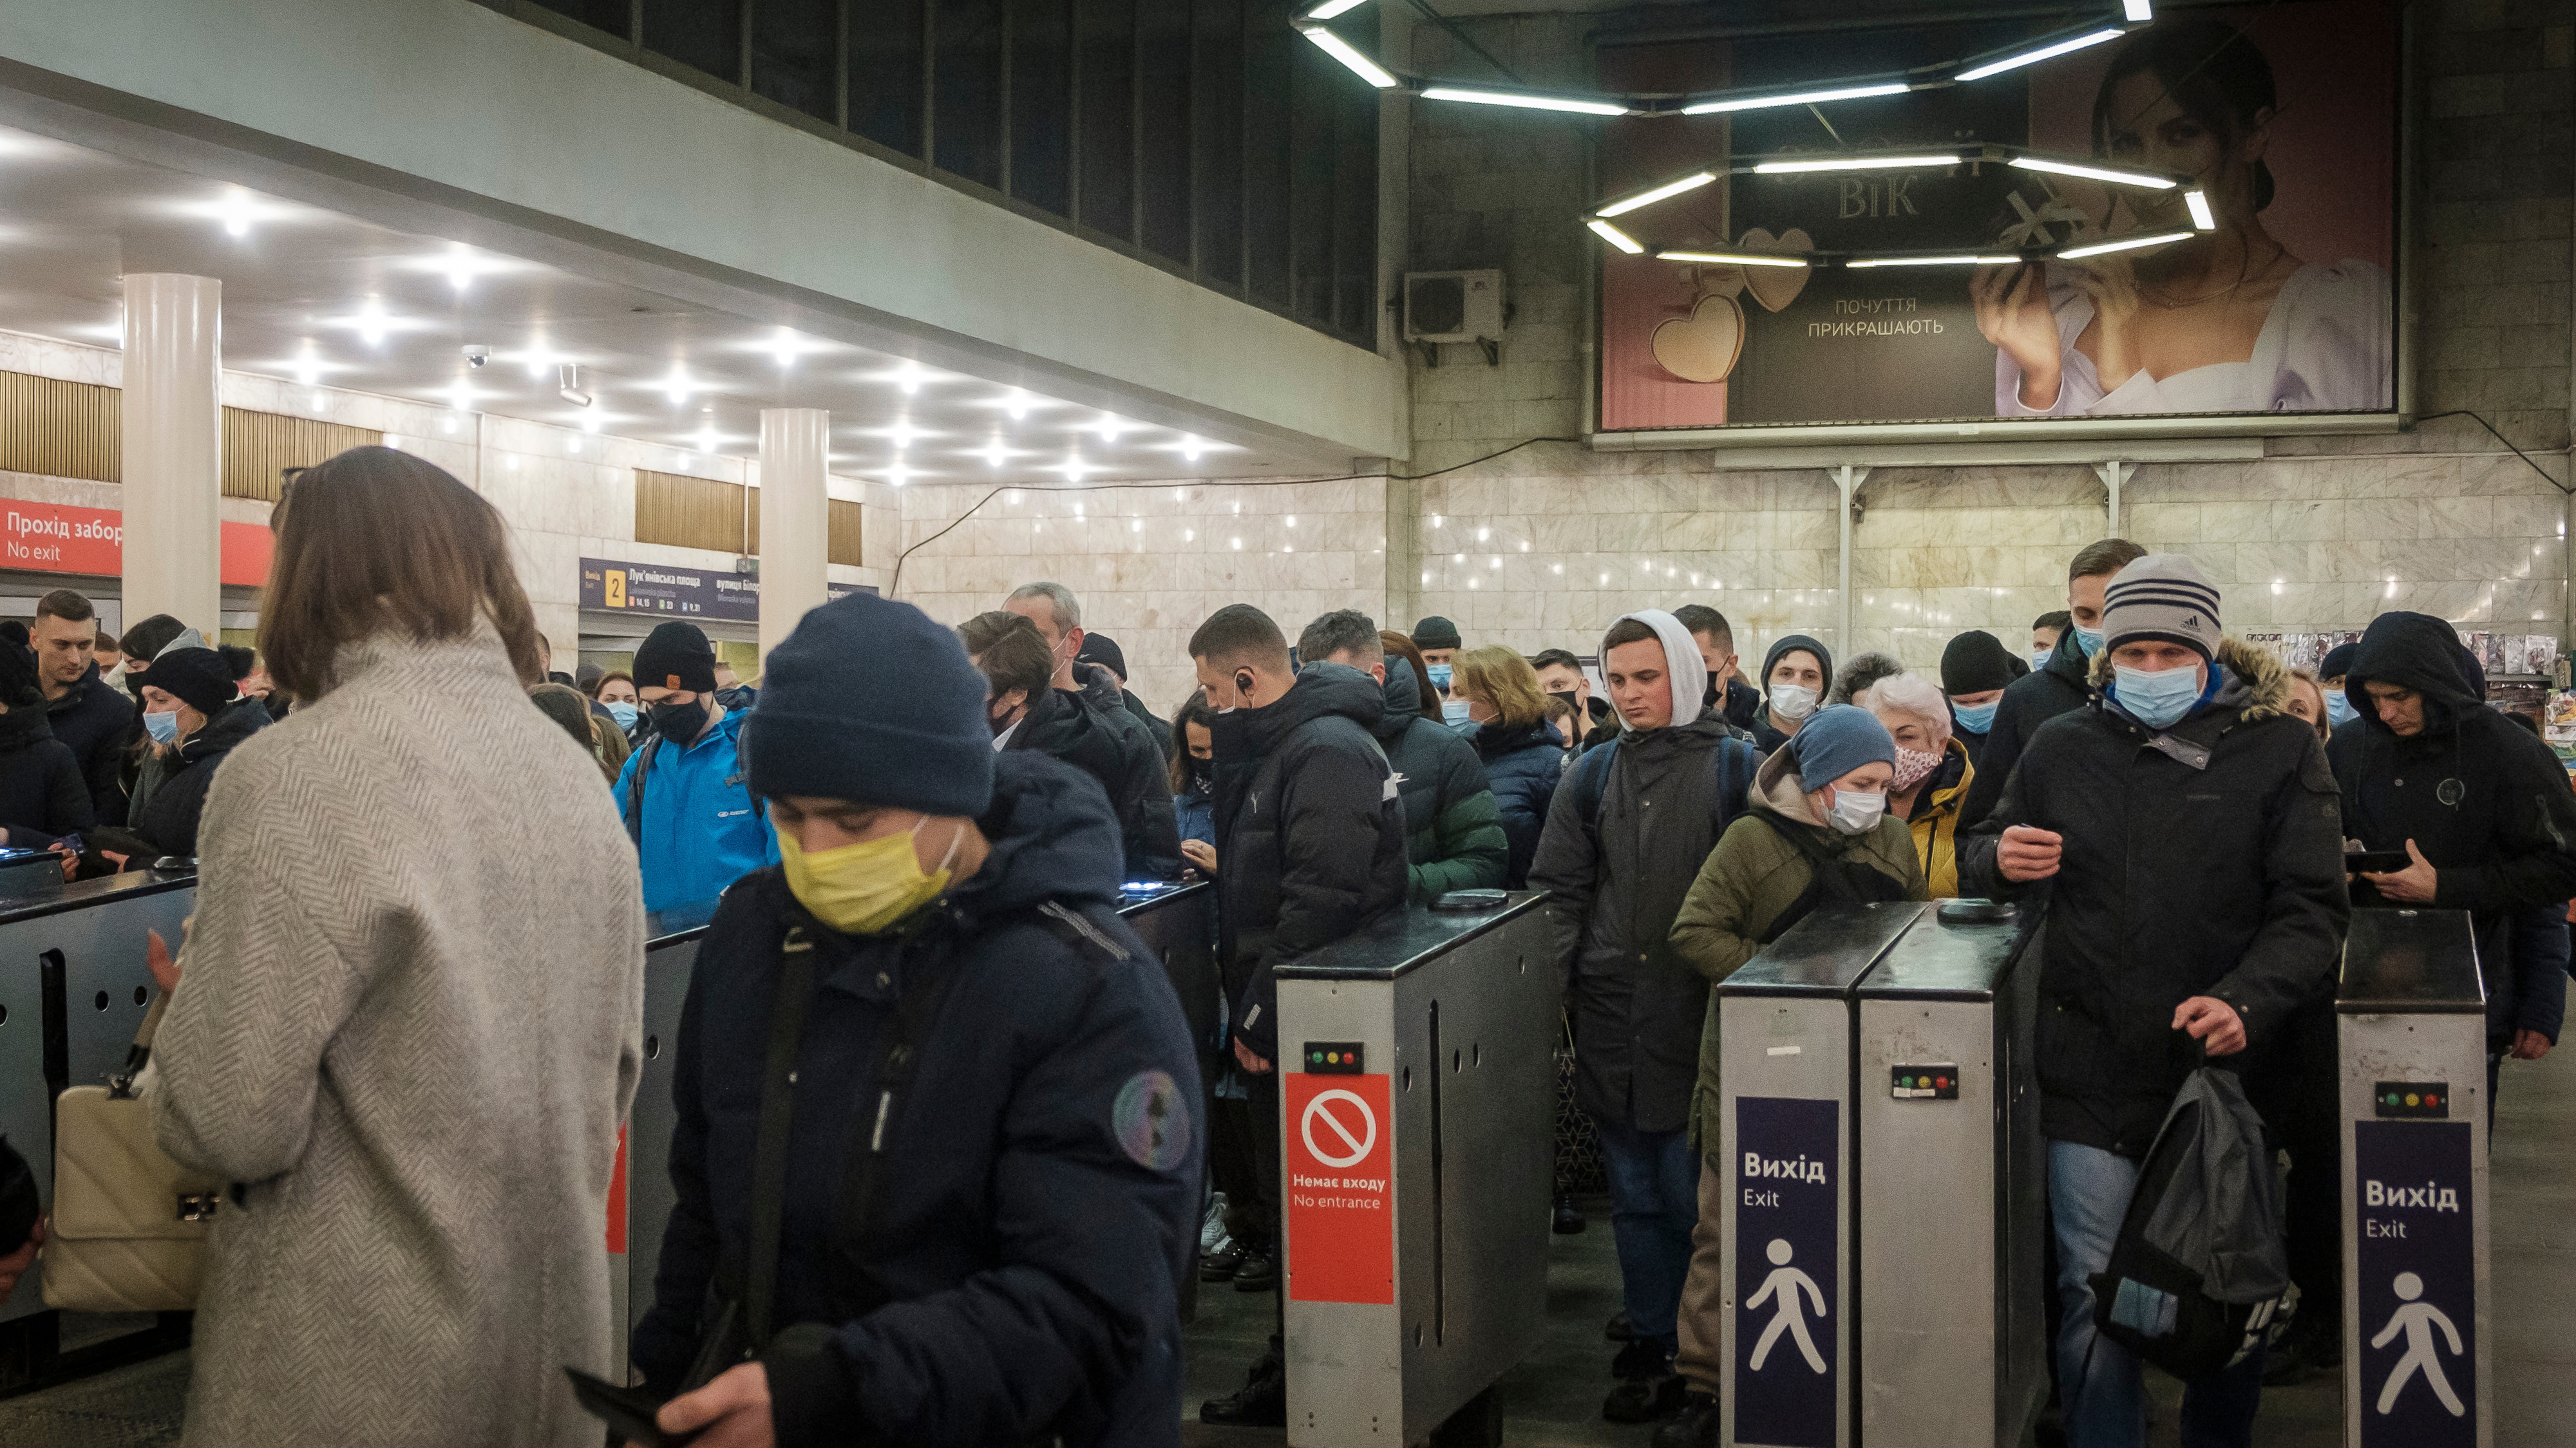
column 1453, row 712
column 2156, row 699
column 162, row 727
column 1439, row 677
column 1977, row 718
column 2338, row 708
column 2088, row 639
column 2039, row 657
column 624, row 714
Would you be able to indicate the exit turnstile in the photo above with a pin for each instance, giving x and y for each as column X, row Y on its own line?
column 2411, row 1029
column 1417, row 1093
column 1950, row 1177
column 1786, row 1041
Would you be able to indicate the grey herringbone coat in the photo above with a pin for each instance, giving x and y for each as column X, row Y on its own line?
column 408, row 1024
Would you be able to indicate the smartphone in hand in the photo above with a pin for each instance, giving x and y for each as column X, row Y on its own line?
column 627, row 1411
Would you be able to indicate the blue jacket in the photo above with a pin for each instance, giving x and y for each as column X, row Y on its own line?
column 1522, row 767
column 1040, row 1197
column 703, row 830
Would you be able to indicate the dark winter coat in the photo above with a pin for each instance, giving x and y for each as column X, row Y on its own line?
column 1619, row 882
column 42, row 794
column 1042, row 1192
column 2061, row 688
column 2486, row 802
column 1743, row 703
column 1310, row 834
column 1098, row 736
column 1453, row 829
column 169, row 819
column 1522, row 767
column 2206, row 860
column 1161, row 731
column 96, row 721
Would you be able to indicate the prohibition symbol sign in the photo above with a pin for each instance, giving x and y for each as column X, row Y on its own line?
column 1337, row 1125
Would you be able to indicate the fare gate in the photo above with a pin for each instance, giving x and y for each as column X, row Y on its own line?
column 1786, row 1032
column 1950, row 1181
column 2411, row 1036
column 1417, row 1097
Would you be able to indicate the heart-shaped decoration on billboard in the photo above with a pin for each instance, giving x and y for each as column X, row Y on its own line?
column 1704, row 346
column 1775, row 287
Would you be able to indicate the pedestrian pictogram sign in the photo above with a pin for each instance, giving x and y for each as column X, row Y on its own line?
column 1340, row 1188
column 2415, row 1257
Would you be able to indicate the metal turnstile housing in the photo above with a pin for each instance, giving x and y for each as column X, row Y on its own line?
column 1416, row 1179
column 1950, row 1180
column 2412, row 1043
column 1784, row 1131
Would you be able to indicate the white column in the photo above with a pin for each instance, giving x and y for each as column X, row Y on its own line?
column 795, row 518
column 174, row 449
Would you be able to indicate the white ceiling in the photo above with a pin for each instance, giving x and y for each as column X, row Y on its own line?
column 327, row 299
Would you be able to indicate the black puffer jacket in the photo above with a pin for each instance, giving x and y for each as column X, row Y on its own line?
column 2061, row 688
column 96, row 722
column 42, row 794
column 1099, row 738
column 1310, row 833
column 2484, row 801
column 1019, row 1279
column 2206, row 860
column 169, row 818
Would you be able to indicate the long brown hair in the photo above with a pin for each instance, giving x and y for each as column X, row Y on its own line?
column 377, row 541
column 1400, row 646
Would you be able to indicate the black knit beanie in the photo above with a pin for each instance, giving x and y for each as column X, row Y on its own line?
column 198, row 678
column 1974, row 663
column 676, row 656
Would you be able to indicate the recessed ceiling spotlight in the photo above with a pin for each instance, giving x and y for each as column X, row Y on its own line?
column 993, row 453
column 1017, row 404
column 236, row 211
column 897, row 474
column 902, row 433
column 677, row 386
column 461, row 396
column 308, row 364
column 1191, row 447
column 1109, row 426
column 707, row 439
column 786, row 346
column 373, row 323
column 907, row 377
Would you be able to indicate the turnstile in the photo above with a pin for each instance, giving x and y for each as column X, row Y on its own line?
column 2411, row 1029
column 1417, row 1093
column 1786, row 1027
column 1950, row 1182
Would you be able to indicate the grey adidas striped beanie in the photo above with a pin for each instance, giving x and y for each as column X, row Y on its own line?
column 2162, row 596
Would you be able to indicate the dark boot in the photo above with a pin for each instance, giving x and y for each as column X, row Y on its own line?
column 1697, row 1427
column 1638, row 1359
column 1262, row 1402
column 1648, row 1397
column 1256, row 1272
column 1619, row 1328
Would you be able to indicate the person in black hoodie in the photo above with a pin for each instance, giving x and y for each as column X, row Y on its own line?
column 1310, row 849
column 2480, row 806
column 1026, row 713
column 93, row 719
column 190, row 709
column 986, row 1187
column 2060, row 688
column 43, row 796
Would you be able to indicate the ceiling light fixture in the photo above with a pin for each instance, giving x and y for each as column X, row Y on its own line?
column 462, row 266
column 993, row 453
column 677, row 386
column 1614, row 235
column 1664, row 192
column 1331, row 8
column 2126, row 243
column 1074, row 468
column 1017, row 404
column 1793, row 98
column 1852, row 163
column 373, row 323
column 460, row 397
column 707, row 439
column 2139, row 12
column 236, row 211
column 2144, row 179
column 908, row 378
column 897, row 474
column 787, row 346
column 1524, row 102
column 2045, row 52
column 1110, row 426
column 1191, row 447
column 1866, row 262
column 2201, row 216
column 1733, row 258
column 1341, row 50
column 569, row 374
column 308, row 365
column 902, row 433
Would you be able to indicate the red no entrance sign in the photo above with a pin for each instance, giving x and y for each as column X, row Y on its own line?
column 1339, row 1157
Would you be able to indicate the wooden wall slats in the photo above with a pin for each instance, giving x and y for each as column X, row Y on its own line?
column 76, row 430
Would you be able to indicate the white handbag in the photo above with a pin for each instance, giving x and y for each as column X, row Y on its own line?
column 128, row 1230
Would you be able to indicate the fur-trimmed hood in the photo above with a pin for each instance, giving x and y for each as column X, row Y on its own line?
column 2258, row 690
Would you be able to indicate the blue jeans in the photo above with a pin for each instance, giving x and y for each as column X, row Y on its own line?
column 2105, row 1399
column 1654, row 1203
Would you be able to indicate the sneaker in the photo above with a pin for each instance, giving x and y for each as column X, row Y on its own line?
column 1569, row 1221
column 1255, row 1273
column 1646, row 1399
column 1697, row 1427
column 1262, row 1402
column 1212, row 1229
column 1636, row 1360
column 1220, row 1265
column 1619, row 1328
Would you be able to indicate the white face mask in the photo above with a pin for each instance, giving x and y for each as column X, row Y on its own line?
column 1855, row 813
column 1792, row 701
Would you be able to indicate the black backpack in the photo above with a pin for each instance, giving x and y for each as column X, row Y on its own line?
column 1731, row 764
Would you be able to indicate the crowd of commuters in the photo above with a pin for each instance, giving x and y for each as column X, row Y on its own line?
column 924, row 1066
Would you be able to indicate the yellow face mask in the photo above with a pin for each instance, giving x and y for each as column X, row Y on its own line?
column 863, row 889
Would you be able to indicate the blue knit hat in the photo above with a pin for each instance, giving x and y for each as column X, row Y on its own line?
column 869, row 700
column 1835, row 741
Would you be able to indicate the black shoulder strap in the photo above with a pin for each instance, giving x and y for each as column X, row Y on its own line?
column 635, row 790
column 787, row 1011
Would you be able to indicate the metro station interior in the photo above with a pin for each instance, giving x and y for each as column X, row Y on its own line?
column 1510, row 325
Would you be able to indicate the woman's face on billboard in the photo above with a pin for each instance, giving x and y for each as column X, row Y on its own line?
column 2150, row 130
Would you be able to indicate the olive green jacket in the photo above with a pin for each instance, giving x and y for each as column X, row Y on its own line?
column 1751, row 877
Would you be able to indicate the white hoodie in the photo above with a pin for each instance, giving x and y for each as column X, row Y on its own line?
column 1683, row 670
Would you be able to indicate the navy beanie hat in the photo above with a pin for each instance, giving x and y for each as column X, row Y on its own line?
column 1837, row 740
column 869, row 700
column 2338, row 661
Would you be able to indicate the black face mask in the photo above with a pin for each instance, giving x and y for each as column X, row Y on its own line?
column 1004, row 720
column 1203, row 775
column 680, row 723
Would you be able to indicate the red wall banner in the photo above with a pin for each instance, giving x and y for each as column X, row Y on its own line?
column 57, row 538
column 1340, row 1158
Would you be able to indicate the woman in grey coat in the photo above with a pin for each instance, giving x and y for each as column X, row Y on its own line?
column 406, row 1025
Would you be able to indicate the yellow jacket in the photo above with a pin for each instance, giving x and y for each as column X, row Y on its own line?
column 1936, row 820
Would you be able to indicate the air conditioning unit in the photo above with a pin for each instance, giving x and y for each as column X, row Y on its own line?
column 1453, row 306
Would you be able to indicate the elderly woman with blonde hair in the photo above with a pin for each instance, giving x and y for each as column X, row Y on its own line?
column 1932, row 772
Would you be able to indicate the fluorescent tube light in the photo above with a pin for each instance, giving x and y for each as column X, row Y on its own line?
column 1798, row 98
column 1737, row 258
column 2201, row 216
column 2126, row 243
column 1360, row 65
column 1852, row 163
column 1524, row 102
column 2149, row 180
column 1613, row 235
column 1331, row 8
column 1664, row 192
column 2140, row 11
column 2045, row 52
column 1866, row 262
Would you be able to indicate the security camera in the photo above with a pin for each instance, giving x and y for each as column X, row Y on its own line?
column 476, row 356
